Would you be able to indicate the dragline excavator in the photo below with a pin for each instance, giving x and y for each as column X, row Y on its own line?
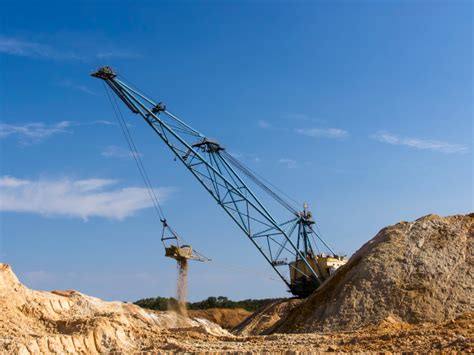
column 292, row 248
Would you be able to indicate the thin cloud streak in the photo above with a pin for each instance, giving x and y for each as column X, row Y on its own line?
column 113, row 151
column 263, row 124
column 16, row 47
column 315, row 132
column 301, row 117
column 75, row 198
column 332, row 133
column 36, row 132
column 289, row 163
column 29, row 49
column 84, row 89
column 244, row 156
column 417, row 143
column 118, row 55
column 78, row 87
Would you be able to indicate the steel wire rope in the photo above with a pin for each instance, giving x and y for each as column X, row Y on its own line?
column 136, row 156
column 259, row 180
column 261, row 183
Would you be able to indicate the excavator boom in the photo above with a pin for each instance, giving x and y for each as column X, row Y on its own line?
column 284, row 246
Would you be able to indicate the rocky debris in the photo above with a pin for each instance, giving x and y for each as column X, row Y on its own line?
column 227, row 318
column 412, row 272
column 266, row 318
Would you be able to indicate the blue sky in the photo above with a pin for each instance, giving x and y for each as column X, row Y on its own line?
column 361, row 108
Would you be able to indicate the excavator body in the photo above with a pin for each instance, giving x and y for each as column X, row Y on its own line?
column 303, row 283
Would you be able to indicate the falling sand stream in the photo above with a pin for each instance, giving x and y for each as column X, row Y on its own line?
column 182, row 286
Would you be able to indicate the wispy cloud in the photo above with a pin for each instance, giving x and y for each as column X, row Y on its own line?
column 301, row 117
column 23, row 48
column 251, row 157
column 98, row 122
column 333, row 133
column 74, row 198
column 83, row 89
column 263, row 124
column 317, row 132
column 289, row 163
column 36, row 132
column 118, row 54
column 418, row 143
column 113, row 151
column 78, row 87
column 31, row 49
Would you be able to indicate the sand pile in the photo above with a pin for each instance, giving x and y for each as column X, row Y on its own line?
column 68, row 321
column 412, row 272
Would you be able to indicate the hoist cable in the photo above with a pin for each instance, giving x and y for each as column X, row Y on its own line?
column 141, row 168
column 136, row 155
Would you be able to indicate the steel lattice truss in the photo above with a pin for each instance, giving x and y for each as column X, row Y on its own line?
column 210, row 164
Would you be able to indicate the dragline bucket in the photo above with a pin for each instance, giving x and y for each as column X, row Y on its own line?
column 179, row 252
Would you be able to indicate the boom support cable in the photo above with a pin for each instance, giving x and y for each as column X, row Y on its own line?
column 260, row 182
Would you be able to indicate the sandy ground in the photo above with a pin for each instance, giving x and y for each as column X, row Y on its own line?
column 453, row 336
column 34, row 322
column 409, row 289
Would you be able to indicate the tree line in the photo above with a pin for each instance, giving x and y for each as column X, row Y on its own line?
column 165, row 303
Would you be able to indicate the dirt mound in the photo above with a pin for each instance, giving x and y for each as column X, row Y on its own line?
column 227, row 318
column 68, row 321
column 411, row 272
column 266, row 317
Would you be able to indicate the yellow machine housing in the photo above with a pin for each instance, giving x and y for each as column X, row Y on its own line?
column 323, row 265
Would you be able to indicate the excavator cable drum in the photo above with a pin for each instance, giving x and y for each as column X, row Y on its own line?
column 292, row 248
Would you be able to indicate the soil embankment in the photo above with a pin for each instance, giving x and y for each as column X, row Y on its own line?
column 264, row 319
column 227, row 318
column 411, row 273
